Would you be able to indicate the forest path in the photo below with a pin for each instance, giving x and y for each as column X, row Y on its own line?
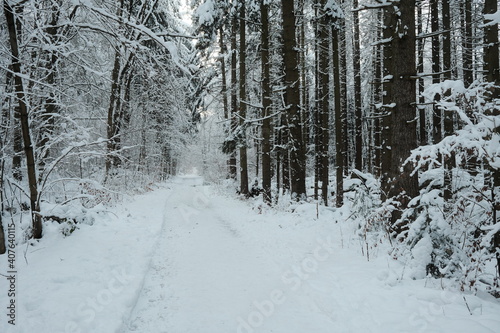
column 222, row 267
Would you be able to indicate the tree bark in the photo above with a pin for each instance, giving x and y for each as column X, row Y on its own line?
column 339, row 115
column 48, row 118
column 24, row 122
column 467, row 51
column 420, row 69
column 266, row 104
column 324, row 99
column 448, row 114
column 292, row 100
column 341, row 37
column 225, row 102
column 358, row 161
column 403, row 96
column 242, row 104
column 389, row 21
column 490, row 49
column 112, row 144
column 234, row 92
column 436, row 68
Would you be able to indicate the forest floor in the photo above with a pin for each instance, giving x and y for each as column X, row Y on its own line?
column 192, row 258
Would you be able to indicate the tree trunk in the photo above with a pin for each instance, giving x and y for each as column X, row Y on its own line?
column 225, row 102
column 490, row 49
column 467, row 51
column 358, row 161
column 234, row 89
column 448, row 114
column 112, row 159
column 401, row 93
column 285, row 156
column 50, row 103
column 18, row 137
column 420, row 69
column 377, row 99
column 324, row 99
column 436, row 68
column 292, row 100
column 316, row 125
column 266, row 104
column 242, row 104
column 339, row 115
column 24, row 122
column 304, row 109
column 495, row 191
column 387, row 109
column 342, row 53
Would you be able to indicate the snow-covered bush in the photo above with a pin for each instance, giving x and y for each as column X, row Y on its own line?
column 455, row 238
column 369, row 213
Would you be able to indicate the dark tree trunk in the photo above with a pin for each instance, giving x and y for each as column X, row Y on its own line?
column 18, row 146
column 339, row 115
column 436, row 68
column 420, row 69
column 492, row 75
column 234, row 92
column 292, row 100
column 112, row 159
column 402, row 95
column 24, row 122
column 266, row 103
column 377, row 99
column 448, row 114
column 18, row 137
column 387, row 109
column 223, row 49
column 467, row 37
column 317, row 101
column 285, row 156
column 242, row 104
column 324, row 100
column 490, row 49
column 47, row 118
column 225, row 102
column 341, row 36
column 304, row 105
column 358, row 161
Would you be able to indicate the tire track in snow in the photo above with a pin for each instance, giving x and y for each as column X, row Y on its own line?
column 140, row 293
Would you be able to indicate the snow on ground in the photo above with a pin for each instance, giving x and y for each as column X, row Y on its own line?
column 189, row 258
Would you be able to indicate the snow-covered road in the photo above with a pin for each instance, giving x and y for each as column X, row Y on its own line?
column 189, row 258
column 220, row 266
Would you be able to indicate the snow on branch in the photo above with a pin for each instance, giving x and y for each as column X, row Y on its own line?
column 492, row 18
column 141, row 28
column 373, row 6
column 479, row 138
